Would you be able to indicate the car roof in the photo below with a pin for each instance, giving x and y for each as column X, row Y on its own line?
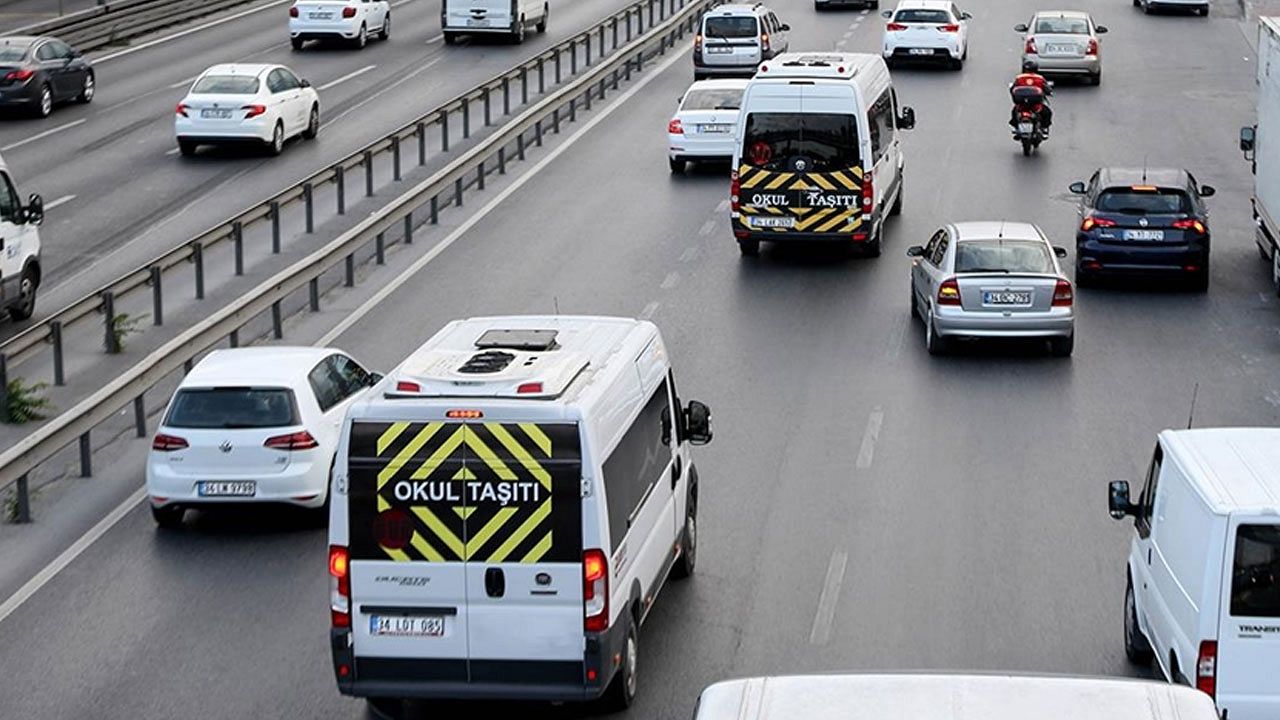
column 736, row 9
column 272, row 365
column 1232, row 468
column 925, row 4
column 24, row 40
column 1062, row 14
column 996, row 229
column 1166, row 177
column 720, row 84
column 251, row 69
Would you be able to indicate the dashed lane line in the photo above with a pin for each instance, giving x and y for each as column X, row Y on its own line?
column 671, row 280
column 348, row 76
column 649, row 310
column 60, row 201
column 866, row 453
column 826, row 614
column 40, row 136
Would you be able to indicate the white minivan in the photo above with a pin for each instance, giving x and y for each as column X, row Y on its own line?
column 507, row 505
column 19, row 248
column 1203, row 591
column 512, row 18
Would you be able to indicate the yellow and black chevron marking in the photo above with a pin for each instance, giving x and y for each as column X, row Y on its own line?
column 475, row 492
column 754, row 180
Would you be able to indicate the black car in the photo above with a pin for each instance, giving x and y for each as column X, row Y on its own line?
column 1143, row 221
column 38, row 72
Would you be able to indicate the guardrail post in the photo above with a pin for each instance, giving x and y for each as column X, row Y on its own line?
column 110, row 341
column 234, row 339
column 351, row 271
column 308, row 200
column 639, row 62
column 626, row 70
column 86, row 456
column 457, row 192
column 524, row 86
column 22, row 500
column 55, row 337
column 537, row 133
column 480, row 176
column 313, row 288
column 157, row 297
column 395, row 158
column 602, row 41
column 615, row 78
column 558, row 61
column 197, row 258
column 506, row 96
column 542, row 76
column 237, row 240
column 140, row 416
column 520, row 146
column 555, row 121
column 421, row 132
column 275, row 227
column 368, row 173
column 444, row 136
column 4, row 390
column 502, row 161
column 466, row 118
column 615, row 33
column 380, row 249
column 488, row 120
column 587, row 98
column 573, row 110
column 587, row 43
column 435, row 209
column 408, row 228
column 277, row 323
column 340, row 179
column 629, row 24
column 573, row 56
column 650, row 13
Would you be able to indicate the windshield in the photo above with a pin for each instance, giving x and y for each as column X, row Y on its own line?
column 1165, row 201
column 235, row 407
column 226, row 85
column 13, row 53
column 713, row 99
column 826, row 142
column 1015, row 256
column 941, row 17
column 1062, row 26
column 1255, row 577
column 730, row 27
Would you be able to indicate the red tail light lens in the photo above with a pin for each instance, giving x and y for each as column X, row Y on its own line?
column 949, row 28
column 697, row 42
column 1207, row 668
column 1190, row 224
column 348, row 12
column 895, row 27
column 1062, row 294
column 764, row 42
column 182, row 109
column 168, row 443
column 340, row 590
column 529, row 388
column 868, row 194
column 1093, row 47
column 1030, row 48
column 293, row 441
column 19, row 75
column 734, row 186
column 674, row 127
column 293, row 11
column 949, row 292
column 1092, row 222
column 254, row 110
column 595, row 590
column 406, row 386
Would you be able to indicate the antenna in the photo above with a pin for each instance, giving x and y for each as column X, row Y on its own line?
column 1195, row 392
column 1144, row 168
column 556, row 301
column 1000, row 235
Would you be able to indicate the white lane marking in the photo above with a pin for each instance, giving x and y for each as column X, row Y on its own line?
column 60, row 201
column 379, row 94
column 649, row 310
column 359, row 313
column 671, row 280
column 435, row 39
column 43, row 577
column 866, row 453
column 707, row 227
column 188, row 31
column 348, row 76
column 398, row 3
column 842, row 43
column 848, row 35
column 173, row 151
column 181, row 83
column 42, row 135
column 864, row 11
column 826, row 614
column 689, row 253
column 723, row 205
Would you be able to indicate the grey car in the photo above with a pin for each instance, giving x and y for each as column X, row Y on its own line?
column 995, row 279
column 1062, row 42
column 38, row 72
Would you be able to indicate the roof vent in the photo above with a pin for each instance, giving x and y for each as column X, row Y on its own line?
column 527, row 340
column 490, row 361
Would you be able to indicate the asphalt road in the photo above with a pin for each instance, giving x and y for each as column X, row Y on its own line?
column 952, row 510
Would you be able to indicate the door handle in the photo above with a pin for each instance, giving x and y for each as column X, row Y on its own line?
column 495, row 582
column 1148, row 556
column 677, row 468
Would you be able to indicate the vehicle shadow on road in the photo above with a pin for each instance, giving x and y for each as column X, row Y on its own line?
column 252, row 522
column 449, row 710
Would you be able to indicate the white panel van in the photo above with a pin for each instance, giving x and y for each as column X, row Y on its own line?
column 492, row 17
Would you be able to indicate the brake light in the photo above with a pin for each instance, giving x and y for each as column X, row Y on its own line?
column 168, row 443
column 464, row 414
column 293, row 11
column 949, row 292
column 949, row 28
column 1190, row 224
column 293, row 441
column 674, row 127
column 529, row 388
column 595, row 590
column 1030, row 48
column 340, row 590
column 348, row 12
column 1092, row 222
column 697, row 42
column 734, row 187
column 182, row 109
column 1062, row 295
column 868, row 194
column 895, row 27
column 19, row 75
column 406, row 386
column 253, row 110
column 1207, row 668
column 764, row 41
column 1093, row 47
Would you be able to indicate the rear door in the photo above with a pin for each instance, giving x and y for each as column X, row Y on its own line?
column 1061, row 37
column 1249, row 628
column 731, row 41
column 922, row 28
column 477, row 14
column 1005, row 277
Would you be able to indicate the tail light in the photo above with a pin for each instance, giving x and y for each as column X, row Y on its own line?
column 895, row 27
column 168, row 443
column 293, row 11
column 949, row 28
column 595, row 590
column 406, row 386
column 1024, row 115
column 1062, row 294
column 182, row 109
column 348, row 12
column 868, row 194
column 674, row 127
column 1190, row 224
column 293, row 441
column 340, row 590
column 697, row 42
column 1207, row 668
column 19, row 75
column 1092, row 222
column 734, row 186
column 253, row 110
column 1093, row 47
column 764, row 42
column 949, row 292
column 1030, row 48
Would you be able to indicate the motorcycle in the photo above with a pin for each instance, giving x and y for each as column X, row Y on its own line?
column 1028, row 131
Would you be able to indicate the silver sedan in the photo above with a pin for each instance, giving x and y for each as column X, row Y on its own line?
column 1061, row 42
column 991, row 280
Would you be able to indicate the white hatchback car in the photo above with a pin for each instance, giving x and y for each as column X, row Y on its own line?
column 703, row 126
column 345, row 20
column 926, row 30
column 253, row 425
column 241, row 103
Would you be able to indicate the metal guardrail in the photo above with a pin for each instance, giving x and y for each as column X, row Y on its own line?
column 113, row 22
column 488, row 156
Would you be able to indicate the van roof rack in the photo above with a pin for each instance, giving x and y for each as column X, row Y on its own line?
column 527, row 340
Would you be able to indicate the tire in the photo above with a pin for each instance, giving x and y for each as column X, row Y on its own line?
column 1204, row 11
column 688, row 538
column 1200, row 281
column 384, row 32
column 896, row 208
column 296, row 44
column 677, row 166
column 1136, row 646
column 1026, row 147
column 956, row 65
column 44, row 106
column 1062, row 347
column 167, row 517
column 873, row 247
column 542, row 24
column 88, row 89
column 517, row 37
column 622, row 691
column 749, row 248
column 1096, row 79
column 875, row 4
column 1146, row 9
column 384, row 708
column 1137, row 3
column 27, row 287
column 1085, row 279
column 313, row 124
column 275, row 145
column 187, row 148
column 934, row 343
column 915, row 308
column 362, row 37
column 450, row 38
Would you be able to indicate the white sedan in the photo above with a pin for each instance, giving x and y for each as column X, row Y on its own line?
column 705, row 122
column 266, row 104
column 253, row 425
column 345, row 20
column 926, row 30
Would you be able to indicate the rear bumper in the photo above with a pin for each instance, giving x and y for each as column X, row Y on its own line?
column 251, row 129
column 1091, row 65
column 19, row 95
column 306, row 30
column 682, row 147
column 1103, row 258
column 299, row 480
column 955, row 322
column 842, row 3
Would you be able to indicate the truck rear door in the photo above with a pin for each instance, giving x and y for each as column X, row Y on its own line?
column 1248, row 650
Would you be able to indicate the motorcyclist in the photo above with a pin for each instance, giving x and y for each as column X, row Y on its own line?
column 1031, row 79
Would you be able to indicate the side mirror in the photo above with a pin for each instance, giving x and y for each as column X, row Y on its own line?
column 1101, row 29
column 785, row 28
column 907, row 120
column 1077, row 188
column 1207, row 190
column 698, row 423
column 887, row 14
column 304, row 82
column 1059, row 251
column 966, row 16
column 1021, row 27
column 33, row 213
column 1118, row 500
column 1248, row 136
column 915, row 251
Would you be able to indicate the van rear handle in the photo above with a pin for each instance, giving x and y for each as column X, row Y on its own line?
column 495, row 582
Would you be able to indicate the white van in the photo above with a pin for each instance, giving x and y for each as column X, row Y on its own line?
column 19, row 248
column 938, row 696
column 507, row 504
column 1203, row 593
column 492, row 17
column 818, row 153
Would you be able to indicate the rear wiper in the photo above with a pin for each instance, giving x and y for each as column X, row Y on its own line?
column 1131, row 211
column 238, row 426
column 727, row 107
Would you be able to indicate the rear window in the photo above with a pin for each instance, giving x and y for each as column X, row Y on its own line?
column 1144, row 202
column 1255, row 577
column 941, row 17
column 825, row 141
column 1015, row 256
column 233, row 407
column 13, row 53
column 1062, row 26
column 713, row 99
column 226, row 85
column 730, row 27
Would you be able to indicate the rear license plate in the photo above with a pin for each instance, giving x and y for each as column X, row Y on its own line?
column 715, row 128
column 227, row 488
column 1024, row 128
column 773, row 222
column 216, row 114
column 719, row 50
column 406, row 626
column 478, row 22
column 320, row 15
column 1057, row 49
column 1143, row 234
column 920, row 51
column 1006, row 297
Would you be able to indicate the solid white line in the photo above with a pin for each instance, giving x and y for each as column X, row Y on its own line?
column 60, row 201
column 649, row 310
column 823, row 620
column 378, row 94
column 347, row 77
column 188, row 31
column 359, row 313
column 867, row 452
column 43, row 577
column 671, row 280
column 44, row 134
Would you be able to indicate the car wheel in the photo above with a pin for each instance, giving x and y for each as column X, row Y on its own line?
column 1204, row 11
column 896, row 208
column 957, row 64
column 1136, row 647
column 44, row 106
column 187, row 148
column 677, row 165
column 688, row 537
column 749, row 248
column 384, row 32
column 872, row 248
column 546, row 13
column 915, row 308
column 362, row 37
column 933, row 342
column 27, row 297
column 87, row 89
column 1137, row 3
column 1096, row 79
column 276, row 144
column 518, row 36
column 167, row 517
column 622, row 691
column 1200, row 281
column 1146, row 8
column 875, row 4
column 1062, row 346
column 296, row 43
column 313, row 124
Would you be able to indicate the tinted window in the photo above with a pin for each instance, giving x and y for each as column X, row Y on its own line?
column 826, row 141
column 940, row 250
column 1012, row 255
column 46, row 52
column 713, row 99
column 1062, row 26
column 353, row 377
column 1255, row 576
column 60, row 49
column 880, row 125
column 1147, row 501
column 1144, row 202
column 13, row 53
column 637, row 463
column 730, row 27
column 327, row 385
column 226, row 85
column 941, row 17
column 9, row 204
column 233, row 408
column 287, row 80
